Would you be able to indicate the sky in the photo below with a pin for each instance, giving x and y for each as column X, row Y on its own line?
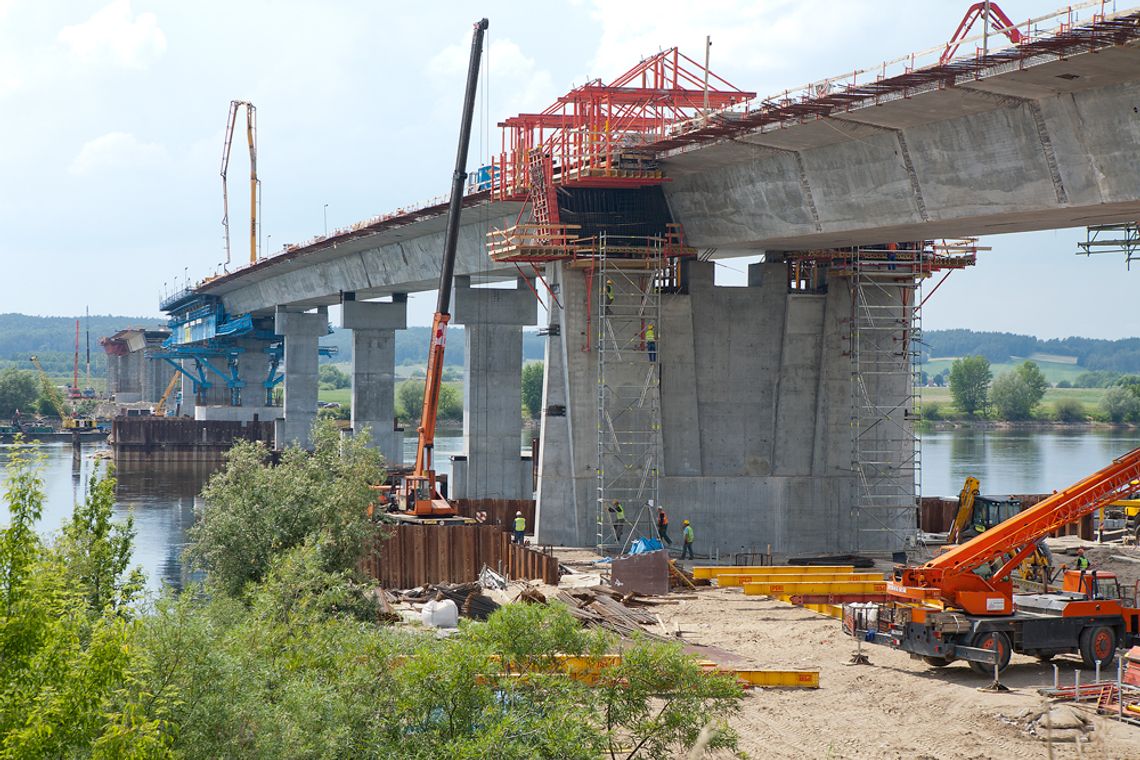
column 112, row 116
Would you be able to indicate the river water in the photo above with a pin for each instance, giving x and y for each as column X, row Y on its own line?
column 162, row 499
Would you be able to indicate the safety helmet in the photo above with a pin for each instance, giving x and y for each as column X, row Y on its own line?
column 518, row 514
column 684, row 522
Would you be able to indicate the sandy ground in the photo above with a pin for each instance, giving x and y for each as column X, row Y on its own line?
column 895, row 707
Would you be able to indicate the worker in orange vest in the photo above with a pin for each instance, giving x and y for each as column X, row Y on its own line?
column 663, row 525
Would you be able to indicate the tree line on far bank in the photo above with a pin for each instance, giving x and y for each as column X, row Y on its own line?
column 1017, row 395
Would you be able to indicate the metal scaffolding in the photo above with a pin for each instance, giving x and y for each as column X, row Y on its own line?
column 886, row 327
column 627, row 283
column 1113, row 238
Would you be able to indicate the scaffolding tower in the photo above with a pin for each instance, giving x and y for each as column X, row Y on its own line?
column 886, row 329
column 628, row 279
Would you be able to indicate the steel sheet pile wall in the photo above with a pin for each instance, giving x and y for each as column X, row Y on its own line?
column 415, row 555
column 181, row 438
column 499, row 512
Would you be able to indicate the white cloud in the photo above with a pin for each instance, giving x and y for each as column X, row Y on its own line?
column 116, row 33
column 116, row 151
column 518, row 84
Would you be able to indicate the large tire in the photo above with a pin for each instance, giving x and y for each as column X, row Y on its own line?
column 936, row 662
column 986, row 640
column 1098, row 644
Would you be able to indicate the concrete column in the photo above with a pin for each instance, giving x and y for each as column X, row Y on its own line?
column 493, row 319
column 301, row 332
column 374, row 327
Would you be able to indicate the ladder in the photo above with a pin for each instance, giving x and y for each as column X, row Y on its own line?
column 627, row 301
column 544, row 207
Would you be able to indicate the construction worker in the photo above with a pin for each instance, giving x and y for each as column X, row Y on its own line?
column 609, row 295
column 1082, row 562
column 650, row 335
column 618, row 512
column 663, row 525
column 687, row 537
column 520, row 527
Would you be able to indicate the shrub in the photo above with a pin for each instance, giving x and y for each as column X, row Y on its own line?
column 1069, row 410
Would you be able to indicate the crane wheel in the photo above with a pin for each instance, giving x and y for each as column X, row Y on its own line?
column 1098, row 644
column 991, row 640
column 936, row 662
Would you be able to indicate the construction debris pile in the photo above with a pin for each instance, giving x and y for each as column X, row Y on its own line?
column 468, row 597
column 603, row 607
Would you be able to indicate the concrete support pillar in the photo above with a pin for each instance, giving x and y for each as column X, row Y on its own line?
column 374, row 327
column 301, row 333
column 493, row 319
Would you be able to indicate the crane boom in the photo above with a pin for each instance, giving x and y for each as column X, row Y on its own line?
column 419, row 490
column 951, row 578
column 254, row 183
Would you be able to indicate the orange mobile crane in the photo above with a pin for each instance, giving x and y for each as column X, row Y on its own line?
column 416, row 494
column 961, row 604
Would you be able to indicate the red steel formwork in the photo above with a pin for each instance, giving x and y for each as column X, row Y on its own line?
column 595, row 135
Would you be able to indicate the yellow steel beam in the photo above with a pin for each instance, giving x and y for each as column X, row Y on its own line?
column 711, row 571
column 786, row 679
column 739, row 579
column 821, row 587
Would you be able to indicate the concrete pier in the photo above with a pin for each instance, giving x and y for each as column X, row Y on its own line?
column 301, row 333
column 756, row 414
column 493, row 319
column 374, row 327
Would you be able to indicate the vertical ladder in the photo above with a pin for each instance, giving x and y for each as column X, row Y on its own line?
column 885, row 339
column 544, row 207
column 628, row 392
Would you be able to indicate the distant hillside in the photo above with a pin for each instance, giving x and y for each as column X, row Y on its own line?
column 53, row 340
column 1086, row 353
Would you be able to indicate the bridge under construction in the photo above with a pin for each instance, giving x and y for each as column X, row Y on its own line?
column 779, row 414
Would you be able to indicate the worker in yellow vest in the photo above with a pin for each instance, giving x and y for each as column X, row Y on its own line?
column 609, row 295
column 520, row 527
column 687, row 535
column 650, row 334
column 618, row 512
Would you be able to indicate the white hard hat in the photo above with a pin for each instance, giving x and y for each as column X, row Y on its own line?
column 518, row 514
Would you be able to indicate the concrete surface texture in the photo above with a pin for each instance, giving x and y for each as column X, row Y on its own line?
column 374, row 328
column 1043, row 148
column 493, row 319
column 756, row 407
column 301, row 332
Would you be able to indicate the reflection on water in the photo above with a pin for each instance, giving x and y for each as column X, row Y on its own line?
column 1017, row 461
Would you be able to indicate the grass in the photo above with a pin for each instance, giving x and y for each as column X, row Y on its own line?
column 1054, row 372
column 1090, row 397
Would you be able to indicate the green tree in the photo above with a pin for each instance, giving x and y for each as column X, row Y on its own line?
column 67, row 657
column 1120, row 405
column 410, row 401
column 1012, row 396
column 532, row 373
column 19, row 389
column 970, row 382
column 253, row 511
column 1034, row 378
column 330, row 377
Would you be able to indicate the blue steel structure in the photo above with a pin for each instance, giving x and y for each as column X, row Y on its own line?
column 202, row 332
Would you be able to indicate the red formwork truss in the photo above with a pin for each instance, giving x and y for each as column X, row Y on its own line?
column 596, row 134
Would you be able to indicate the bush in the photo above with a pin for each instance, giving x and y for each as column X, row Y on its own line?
column 1064, row 384
column 932, row 411
column 254, row 512
column 1012, row 397
column 1069, row 410
column 1120, row 405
